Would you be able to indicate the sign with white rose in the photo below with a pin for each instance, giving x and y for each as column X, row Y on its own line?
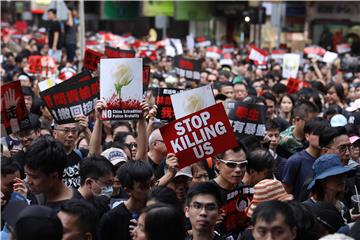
column 291, row 64
column 191, row 101
column 121, row 86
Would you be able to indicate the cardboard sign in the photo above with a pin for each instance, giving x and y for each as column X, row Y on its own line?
column 111, row 52
column 165, row 110
column 188, row 68
column 247, row 118
column 121, row 86
column 343, row 48
column 329, row 57
column 92, row 59
column 235, row 206
column 191, row 101
column 202, row 42
column 146, row 77
column 291, row 65
column 173, row 47
column 14, row 115
column 293, row 85
column 257, row 55
column 199, row 135
column 71, row 98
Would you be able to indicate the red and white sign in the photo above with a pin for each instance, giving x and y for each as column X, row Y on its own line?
column 343, row 48
column 228, row 48
column 257, row 55
column 213, row 52
column 199, row 135
column 92, row 59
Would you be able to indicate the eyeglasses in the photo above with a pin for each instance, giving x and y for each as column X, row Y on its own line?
column 233, row 164
column 205, row 176
column 132, row 145
column 68, row 130
column 106, row 184
column 209, row 207
column 343, row 148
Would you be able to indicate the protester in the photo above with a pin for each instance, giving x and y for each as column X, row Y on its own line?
column 54, row 35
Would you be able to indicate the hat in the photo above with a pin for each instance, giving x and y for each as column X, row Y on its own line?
column 338, row 120
column 353, row 139
column 186, row 171
column 266, row 190
column 328, row 215
column 354, row 106
column 115, row 155
column 12, row 210
column 23, row 77
column 336, row 236
column 38, row 222
column 326, row 166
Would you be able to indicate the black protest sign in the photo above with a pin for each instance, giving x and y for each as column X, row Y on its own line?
column 165, row 110
column 92, row 59
column 247, row 118
column 188, row 68
column 14, row 115
column 146, row 77
column 73, row 97
column 111, row 52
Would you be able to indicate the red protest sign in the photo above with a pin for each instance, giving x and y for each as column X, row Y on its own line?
column 14, row 115
column 111, row 52
column 199, row 135
column 293, row 85
column 92, row 59
column 146, row 76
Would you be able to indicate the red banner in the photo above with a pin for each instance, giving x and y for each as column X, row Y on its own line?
column 92, row 59
column 199, row 135
column 111, row 52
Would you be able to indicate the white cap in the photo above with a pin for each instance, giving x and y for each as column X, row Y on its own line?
column 115, row 155
column 338, row 120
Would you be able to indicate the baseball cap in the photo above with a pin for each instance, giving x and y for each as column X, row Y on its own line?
column 338, row 120
column 115, row 155
column 353, row 139
column 327, row 165
column 186, row 171
column 354, row 106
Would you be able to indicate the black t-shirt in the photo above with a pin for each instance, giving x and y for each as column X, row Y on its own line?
column 235, row 203
column 115, row 224
column 101, row 203
column 158, row 169
column 56, row 206
column 71, row 175
column 55, row 26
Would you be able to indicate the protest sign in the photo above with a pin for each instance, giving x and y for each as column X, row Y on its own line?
column 72, row 98
column 111, row 52
column 213, row 52
column 226, row 59
column 165, row 110
column 173, row 47
column 291, row 64
column 257, row 55
column 247, row 118
column 190, row 43
column 329, row 57
column 92, row 59
column 14, row 115
column 293, row 85
column 278, row 54
column 42, row 64
column 343, row 48
column 202, row 42
column 191, row 101
column 47, row 83
column 199, row 135
column 146, row 77
column 121, row 85
column 228, row 48
column 188, row 68
column 314, row 52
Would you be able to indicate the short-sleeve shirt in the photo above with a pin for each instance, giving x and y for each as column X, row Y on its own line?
column 55, row 26
column 297, row 169
column 288, row 141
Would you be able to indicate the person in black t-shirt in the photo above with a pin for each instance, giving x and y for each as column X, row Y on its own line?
column 44, row 166
column 54, row 35
column 135, row 177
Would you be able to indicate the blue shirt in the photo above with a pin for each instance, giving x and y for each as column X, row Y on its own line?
column 297, row 169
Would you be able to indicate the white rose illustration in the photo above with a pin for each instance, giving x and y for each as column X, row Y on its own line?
column 193, row 103
column 123, row 77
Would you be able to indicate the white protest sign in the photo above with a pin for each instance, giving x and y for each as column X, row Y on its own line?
column 190, row 42
column 291, row 64
column 329, row 57
column 191, row 101
column 173, row 47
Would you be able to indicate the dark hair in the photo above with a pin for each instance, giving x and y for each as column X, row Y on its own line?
column 306, row 225
column 260, row 159
column 235, row 149
column 46, row 155
column 267, row 211
column 279, row 88
column 163, row 221
column 316, row 126
column 338, row 89
column 272, row 125
column 328, row 135
column 116, row 124
column 250, row 142
column 53, row 10
column 288, row 96
column 208, row 188
column 87, row 216
column 303, row 108
column 332, row 110
column 269, row 96
column 134, row 171
column 121, row 136
column 165, row 195
column 94, row 167
column 9, row 165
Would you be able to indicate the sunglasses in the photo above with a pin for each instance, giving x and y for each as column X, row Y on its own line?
column 233, row 164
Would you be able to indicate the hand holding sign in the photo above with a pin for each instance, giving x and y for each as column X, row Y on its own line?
column 83, row 122
column 172, row 163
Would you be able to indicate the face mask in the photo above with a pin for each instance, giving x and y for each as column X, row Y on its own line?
column 106, row 191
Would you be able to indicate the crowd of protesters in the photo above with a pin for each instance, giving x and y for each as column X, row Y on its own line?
column 95, row 179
